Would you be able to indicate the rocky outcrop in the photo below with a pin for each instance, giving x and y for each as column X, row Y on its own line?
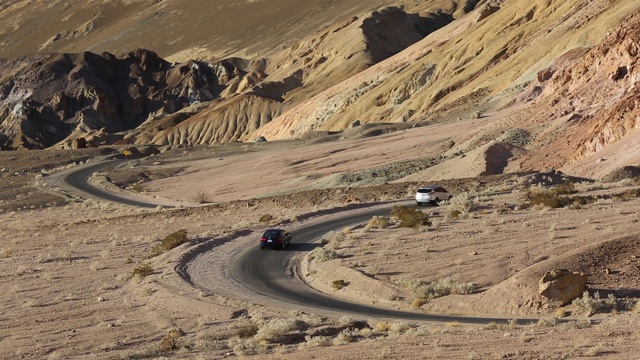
column 562, row 285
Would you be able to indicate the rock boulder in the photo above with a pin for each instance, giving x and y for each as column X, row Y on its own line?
column 562, row 285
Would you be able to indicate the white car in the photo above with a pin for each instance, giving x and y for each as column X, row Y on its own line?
column 431, row 195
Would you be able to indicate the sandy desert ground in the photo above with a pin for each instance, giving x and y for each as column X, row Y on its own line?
column 68, row 265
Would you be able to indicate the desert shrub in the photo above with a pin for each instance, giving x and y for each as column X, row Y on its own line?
column 200, row 197
column 142, row 270
column 339, row 284
column 550, row 322
column 381, row 326
column 565, row 188
column 345, row 336
column 372, row 270
column 627, row 195
column 377, row 222
column 346, row 320
column 418, row 302
column 438, row 288
column 462, row 202
column 455, row 214
column 265, row 218
column 333, row 239
column 275, row 328
column 172, row 240
column 592, row 305
column 581, row 324
column 560, row 313
column 170, row 341
column 409, row 217
column 321, row 254
column 547, row 198
column 399, row 327
column 242, row 347
column 246, row 331
column 315, row 341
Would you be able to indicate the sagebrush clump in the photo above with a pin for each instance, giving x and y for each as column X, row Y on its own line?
column 172, row 240
column 321, row 254
column 377, row 222
column 409, row 217
column 462, row 203
column 594, row 304
column 275, row 328
column 142, row 270
column 436, row 289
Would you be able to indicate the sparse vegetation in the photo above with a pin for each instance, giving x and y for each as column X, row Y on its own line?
column 172, row 241
column 332, row 239
column 247, row 331
column 142, row 270
column 201, row 197
column 436, row 289
column 462, row 203
column 377, row 222
column 275, row 328
column 321, row 254
column 339, row 284
column 170, row 341
column 409, row 217
column 265, row 218
column 594, row 304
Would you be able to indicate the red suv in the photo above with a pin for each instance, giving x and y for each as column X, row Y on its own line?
column 275, row 238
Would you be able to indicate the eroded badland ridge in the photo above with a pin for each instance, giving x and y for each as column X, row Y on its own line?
column 567, row 69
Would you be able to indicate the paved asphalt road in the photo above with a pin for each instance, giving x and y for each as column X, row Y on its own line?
column 272, row 273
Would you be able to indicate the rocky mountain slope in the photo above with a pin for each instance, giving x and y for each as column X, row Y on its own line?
column 561, row 75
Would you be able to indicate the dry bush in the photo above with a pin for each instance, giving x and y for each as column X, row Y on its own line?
column 321, row 254
column 399, row 327
column 381, row 326
column 547, row 198
column 315, row 341
column 346, row 320
column 200, row 197
column 275, row 328
column 409, row 217
column 593, row 305
column 418, row 302
column 377, row 222
column 333, row 239
column 462, row 202
column 208, row 342
column 142, row 270
column 581, row 324
column 172, row 240
column 243, row 347
column 265, row 218
column 372, row 270
column 170, row 341
column 549, row 322
column 346, row 336
column 339, row 284
column 438, row 288
column 246, row 331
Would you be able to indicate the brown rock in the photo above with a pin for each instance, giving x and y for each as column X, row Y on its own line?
column 562, row 285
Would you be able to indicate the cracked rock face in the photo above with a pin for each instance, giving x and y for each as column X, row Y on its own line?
column 562, row 285
column 56, row 98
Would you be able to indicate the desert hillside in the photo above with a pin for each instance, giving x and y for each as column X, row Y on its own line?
column 148, row 144
column 104, row 78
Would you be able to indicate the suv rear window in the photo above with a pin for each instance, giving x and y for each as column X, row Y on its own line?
column 425, row 191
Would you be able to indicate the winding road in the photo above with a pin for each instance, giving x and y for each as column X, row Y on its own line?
column 271, row 278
